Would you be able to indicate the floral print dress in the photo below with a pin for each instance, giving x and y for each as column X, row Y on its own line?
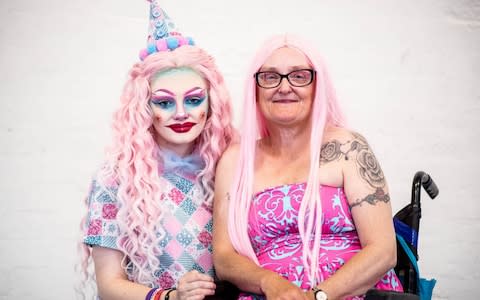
column 273, row 231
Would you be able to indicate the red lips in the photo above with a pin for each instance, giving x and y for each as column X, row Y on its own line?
column 183, row 127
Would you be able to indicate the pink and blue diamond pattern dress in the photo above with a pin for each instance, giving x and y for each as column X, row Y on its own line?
column 273, row 231
column 187, row 224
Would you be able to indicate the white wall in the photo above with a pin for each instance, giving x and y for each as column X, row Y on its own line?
column 407, row 73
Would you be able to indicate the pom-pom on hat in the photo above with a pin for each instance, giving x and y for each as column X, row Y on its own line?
column 163, row 35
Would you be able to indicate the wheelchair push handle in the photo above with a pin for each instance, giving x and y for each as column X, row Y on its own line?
column 423, row 179
column 429, row 186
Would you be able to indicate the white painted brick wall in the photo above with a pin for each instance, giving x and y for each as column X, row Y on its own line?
column 407, row 72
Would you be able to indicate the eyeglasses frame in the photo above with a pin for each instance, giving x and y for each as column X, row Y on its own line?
column 312, row 74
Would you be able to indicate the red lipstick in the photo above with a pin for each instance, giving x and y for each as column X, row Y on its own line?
column 182, row 127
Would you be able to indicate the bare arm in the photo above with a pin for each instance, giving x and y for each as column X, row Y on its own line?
column 367, row 193
column 230, row 265
column 112, row 281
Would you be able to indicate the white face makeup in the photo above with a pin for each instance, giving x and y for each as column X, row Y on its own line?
column 180, row 104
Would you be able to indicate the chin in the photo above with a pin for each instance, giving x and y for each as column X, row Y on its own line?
column 289, row 120
column 179, row 139
column 189, row 138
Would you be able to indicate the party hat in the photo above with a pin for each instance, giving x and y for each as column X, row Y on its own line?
column 163, row 35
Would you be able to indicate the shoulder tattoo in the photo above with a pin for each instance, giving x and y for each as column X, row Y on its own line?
column 357, row 149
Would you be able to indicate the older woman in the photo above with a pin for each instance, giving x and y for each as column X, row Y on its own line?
column 301, row 207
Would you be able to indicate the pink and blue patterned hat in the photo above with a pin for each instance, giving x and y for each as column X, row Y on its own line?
column 163, row 35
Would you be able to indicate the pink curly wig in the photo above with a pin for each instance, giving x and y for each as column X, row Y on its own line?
column 132, row 164
column 325, row 110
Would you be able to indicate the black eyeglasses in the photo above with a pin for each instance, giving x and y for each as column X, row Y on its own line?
column 298, row 78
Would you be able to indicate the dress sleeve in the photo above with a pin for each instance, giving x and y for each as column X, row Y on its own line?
column 101, row 226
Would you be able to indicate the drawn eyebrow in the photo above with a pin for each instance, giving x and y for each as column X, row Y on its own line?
column 195, row 90
column 163, row 91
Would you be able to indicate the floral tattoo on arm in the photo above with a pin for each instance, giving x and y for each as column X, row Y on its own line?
column 372, row 199
column 367, row 165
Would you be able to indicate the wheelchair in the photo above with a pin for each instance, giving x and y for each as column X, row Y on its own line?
column 410, row 215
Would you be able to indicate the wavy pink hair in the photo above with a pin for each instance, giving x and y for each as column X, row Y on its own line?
column 325, row 110
column 132, row 163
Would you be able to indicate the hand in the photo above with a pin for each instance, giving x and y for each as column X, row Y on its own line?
column 194, row 286
column 276, row 287
column 310, row 295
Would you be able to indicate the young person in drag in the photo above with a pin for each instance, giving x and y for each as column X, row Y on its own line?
column 148, row 228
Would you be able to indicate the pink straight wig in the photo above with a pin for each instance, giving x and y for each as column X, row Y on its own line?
column 132, row 164
column 325, row 110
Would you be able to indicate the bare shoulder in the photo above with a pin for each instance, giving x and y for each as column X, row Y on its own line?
column 342, row 134
column 363, row 178
column 226, row 169
column 229, row 157
column 341, row 144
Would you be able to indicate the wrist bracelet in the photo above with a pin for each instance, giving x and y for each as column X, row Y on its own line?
column 157, row 294
column 150, row 294
column 167, row 295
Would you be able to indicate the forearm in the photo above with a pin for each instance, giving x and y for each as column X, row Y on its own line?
column 121, row 289
column 112, row 281
column 242, row 272
column 360, row 273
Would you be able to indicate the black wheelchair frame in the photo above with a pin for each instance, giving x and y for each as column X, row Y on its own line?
column 410, row 215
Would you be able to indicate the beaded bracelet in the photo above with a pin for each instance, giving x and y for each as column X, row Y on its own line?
column 167, row 295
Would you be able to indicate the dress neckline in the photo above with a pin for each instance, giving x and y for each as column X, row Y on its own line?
column 276, row 187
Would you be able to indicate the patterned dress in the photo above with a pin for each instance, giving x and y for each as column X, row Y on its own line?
column 187, row 225
column 273, row 231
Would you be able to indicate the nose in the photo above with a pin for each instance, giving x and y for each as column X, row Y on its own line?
column 180, row 114
column 284, row 87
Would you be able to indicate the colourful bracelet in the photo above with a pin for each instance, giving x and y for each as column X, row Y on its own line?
column 167, row 295
column 157, row 295
column 150, row 294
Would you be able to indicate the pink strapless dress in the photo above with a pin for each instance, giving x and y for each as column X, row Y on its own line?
column 273, row 231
